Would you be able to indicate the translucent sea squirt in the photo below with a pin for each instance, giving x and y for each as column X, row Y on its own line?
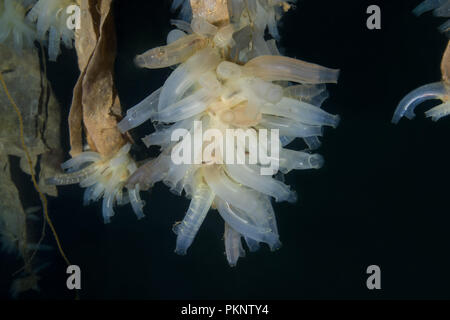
column 236, row 81
column 434, row 91
column 103, row 178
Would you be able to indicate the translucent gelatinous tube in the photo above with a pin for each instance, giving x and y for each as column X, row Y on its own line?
column 54, row 43
column 299, row 160
column 186, row 75
column 77, row 162
column 227, row 70
column 186, row 108
column 233, row 245
column 272, row 24
column 136, row 202
column 187, row 229
column 244, row 227
column 443, row 11
column 140, row 113
column 14, row 26
column 175, row 174
column 407, row 105
column 174, row 53
column 235, row 8
column 250, row 176
column 272, row 45
column 149, row 173
column 71, row 178
column 103, row 177
column 266, row 90
column 163, row 136
column 242, row 39
column 304, row 91
column 91, row 180
column 428, row 5
column 286, row 140
column 439, row 111
column 175, row 35
column 441, row 8
column 264, row 218
column 92, row 193
column 279, row 68
column 107, row 204
column 224, row 37
column 312, row 94
column 208, row 81
column 252, row 245
column 302, row 112
column 269, row 218
column 445, row 28
column 313, row 143
column 290, row 128
column 260, row 47
column 241, row 197
column 186, row 10
column 252, row 6
column 182, row 25
column 51, row 18
column 317, row 100
column 228, row 85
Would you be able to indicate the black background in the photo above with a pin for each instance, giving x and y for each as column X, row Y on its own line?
column 381, row 198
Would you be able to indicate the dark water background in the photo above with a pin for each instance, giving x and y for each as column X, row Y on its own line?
column 381, row 197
